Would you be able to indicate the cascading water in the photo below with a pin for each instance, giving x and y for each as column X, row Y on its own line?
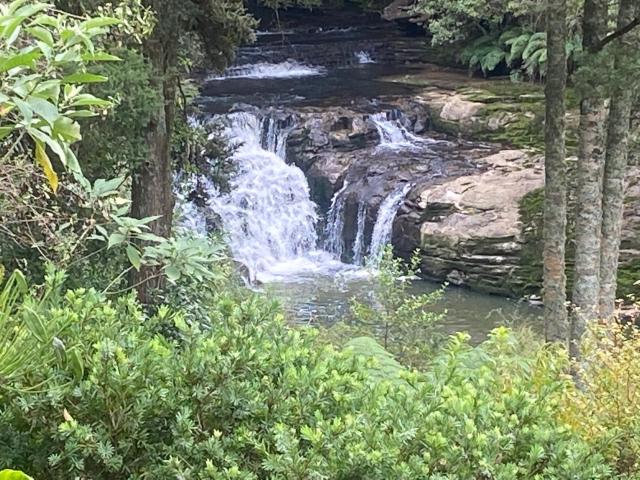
column 383, row 227
column 333, row 242
column 393, row 135
column 364, row 57
column 287, row 69
column 358, row 243
column 268, row 216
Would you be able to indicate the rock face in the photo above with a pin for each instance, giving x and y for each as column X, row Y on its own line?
column 464, row 210
column 468, row 228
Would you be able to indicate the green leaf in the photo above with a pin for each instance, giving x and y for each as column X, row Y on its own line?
column 80, row 113
column 43, row 160
column 21, row 60
column 44, row 109
column 172, row 273
column 134, row 256
column 25, row 110
column 41, row 34
column 116, row 239
column 49, row 89
column 99, row 22
column 84, row 78
column 88, row 100
column 5, row 132
column 14, row 475
column 30, row 10
column 11, row 31
column 76, row 363
column 47, row 20
column 67, row 129
column 100, row 57
column 102, row 187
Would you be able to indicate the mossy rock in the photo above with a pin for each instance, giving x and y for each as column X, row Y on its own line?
column 628, row 278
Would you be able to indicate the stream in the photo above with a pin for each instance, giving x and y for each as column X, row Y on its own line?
column 291, row 246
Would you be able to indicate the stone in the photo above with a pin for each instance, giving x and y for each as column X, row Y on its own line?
column 457, row 109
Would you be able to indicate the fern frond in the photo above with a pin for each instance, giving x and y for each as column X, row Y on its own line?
column 517, row 46
column 535, row 44
column 492, row 59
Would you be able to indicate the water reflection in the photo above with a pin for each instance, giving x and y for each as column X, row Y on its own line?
column 324, row 300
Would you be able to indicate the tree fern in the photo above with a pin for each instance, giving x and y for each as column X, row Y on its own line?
column 524, row 52
column 516, row 46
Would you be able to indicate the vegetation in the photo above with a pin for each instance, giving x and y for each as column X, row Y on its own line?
column 404, row 324
column 130, row 348
column 240, row 395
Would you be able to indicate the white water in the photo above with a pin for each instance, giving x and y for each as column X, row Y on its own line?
column 287, row 69
column 358, row 243
column 364, row 57
column 383, row 227
column 268, row 216
column 393, row 135
column 334, row 243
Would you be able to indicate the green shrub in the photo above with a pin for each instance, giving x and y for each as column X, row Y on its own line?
column 403, row 323
column 247, row 397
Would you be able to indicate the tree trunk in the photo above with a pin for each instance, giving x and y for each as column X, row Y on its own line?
column 555, row 195
column 586, row 288
column 616, row 167
column 152, row 193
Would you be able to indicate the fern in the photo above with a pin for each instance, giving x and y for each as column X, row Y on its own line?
column 492, row 59
column 524, row 52
column 537, row 42
column 483, row 54
column 517, row 46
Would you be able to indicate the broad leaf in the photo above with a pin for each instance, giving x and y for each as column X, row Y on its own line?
column 84, row 78
column 43, row 160
column 134, row 256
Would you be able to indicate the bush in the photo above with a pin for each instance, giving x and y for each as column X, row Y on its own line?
column 248, row 397
column 404, row 323
column 606, row 410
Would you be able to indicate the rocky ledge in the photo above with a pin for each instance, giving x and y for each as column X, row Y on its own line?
column 468, row 228
column 474, row 210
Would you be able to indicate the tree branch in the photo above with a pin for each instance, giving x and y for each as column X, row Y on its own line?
column 618, row 33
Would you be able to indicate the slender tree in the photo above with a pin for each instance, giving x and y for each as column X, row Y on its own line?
column 586, row 285
column 555, row 199
column 616, row 158
column 222, row 25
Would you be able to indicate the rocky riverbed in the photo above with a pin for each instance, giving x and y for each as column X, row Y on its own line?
column 370, row 114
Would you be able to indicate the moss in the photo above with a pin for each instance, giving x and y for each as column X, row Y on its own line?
column 531, row 216
column 504, row 91
column 628, row 275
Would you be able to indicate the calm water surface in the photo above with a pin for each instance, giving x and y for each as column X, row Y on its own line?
column 322, row 299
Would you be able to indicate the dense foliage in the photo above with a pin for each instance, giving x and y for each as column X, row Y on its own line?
column 240, row 395
column 210, row 383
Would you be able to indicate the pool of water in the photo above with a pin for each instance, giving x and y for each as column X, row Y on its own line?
column 317, row 299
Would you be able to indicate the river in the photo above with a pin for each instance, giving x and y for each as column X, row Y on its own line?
column 292, row 247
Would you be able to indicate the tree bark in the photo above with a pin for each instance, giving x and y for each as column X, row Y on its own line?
column 152, row 193
column 555, row 195
column 616, row 166
column 586, row 287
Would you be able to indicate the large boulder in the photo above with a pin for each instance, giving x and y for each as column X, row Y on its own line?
column 468, row 227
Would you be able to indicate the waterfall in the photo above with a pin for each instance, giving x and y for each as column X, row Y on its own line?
column 383, row 228
column 358, row 243
column 364, row 57
column 394, row 135
column 286, row 69
column 268, row 216
column 333, row 242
